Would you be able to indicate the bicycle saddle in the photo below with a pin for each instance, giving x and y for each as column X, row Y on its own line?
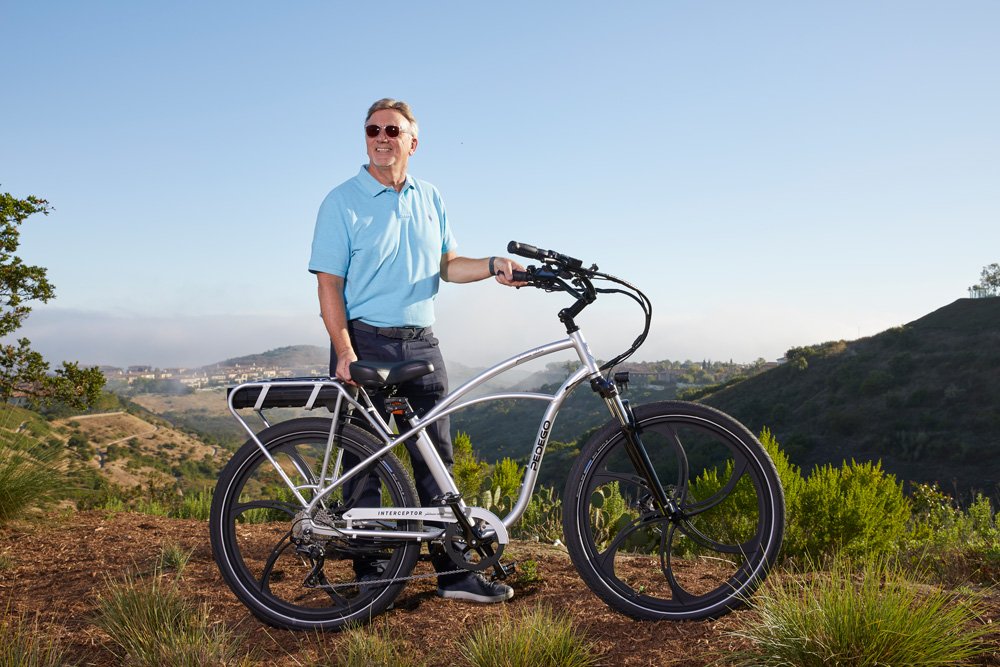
column 378, row 374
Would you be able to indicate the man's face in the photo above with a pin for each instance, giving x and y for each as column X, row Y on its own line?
column 385, row 151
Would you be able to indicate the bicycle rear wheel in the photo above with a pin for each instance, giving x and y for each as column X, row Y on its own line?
column 297, row 581
column 708, row 556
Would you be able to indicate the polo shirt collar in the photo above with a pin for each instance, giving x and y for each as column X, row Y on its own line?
column 374, row 188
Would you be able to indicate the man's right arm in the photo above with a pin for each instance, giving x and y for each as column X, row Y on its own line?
column 334, row 312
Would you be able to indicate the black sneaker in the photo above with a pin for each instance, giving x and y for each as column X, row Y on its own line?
column 475, row 588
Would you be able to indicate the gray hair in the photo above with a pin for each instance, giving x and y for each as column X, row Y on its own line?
column 395, row 105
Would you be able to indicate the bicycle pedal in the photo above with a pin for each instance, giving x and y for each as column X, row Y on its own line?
column 446, row 499
column 503, row 571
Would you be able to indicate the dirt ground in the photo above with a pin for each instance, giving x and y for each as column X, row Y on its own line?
column 56, row 565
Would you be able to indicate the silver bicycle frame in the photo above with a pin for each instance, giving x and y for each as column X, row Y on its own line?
column 332, row 478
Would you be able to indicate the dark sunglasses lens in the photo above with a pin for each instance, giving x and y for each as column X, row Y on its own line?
column 390, row 130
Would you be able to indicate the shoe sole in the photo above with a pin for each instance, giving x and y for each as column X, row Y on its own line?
column 473, row 597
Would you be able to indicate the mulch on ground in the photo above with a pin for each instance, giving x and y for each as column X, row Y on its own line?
column 56, row 565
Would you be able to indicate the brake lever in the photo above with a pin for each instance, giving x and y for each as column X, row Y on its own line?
column 544, row 278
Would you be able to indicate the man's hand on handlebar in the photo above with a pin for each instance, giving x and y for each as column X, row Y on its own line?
column 505, row 268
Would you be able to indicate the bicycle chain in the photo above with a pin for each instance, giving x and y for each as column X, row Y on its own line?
column 323, row 514
column 375, row 582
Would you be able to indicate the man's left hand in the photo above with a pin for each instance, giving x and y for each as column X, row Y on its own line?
column 504, row 268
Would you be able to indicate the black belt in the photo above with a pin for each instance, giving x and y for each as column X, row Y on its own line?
column 399, row 333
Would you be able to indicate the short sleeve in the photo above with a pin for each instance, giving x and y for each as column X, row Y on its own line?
column 448, row 241
column 331, row 245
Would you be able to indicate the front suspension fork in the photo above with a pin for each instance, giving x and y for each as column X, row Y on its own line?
column 636, row 451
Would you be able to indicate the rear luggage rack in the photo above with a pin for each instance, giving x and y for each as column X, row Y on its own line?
column 304, row 392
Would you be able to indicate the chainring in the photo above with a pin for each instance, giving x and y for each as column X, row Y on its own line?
column 484, row 555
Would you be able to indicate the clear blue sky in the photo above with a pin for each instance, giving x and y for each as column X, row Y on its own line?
column 771, row 173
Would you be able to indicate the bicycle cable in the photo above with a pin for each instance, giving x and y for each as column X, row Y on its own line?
column 557, row 268
column 645, row 304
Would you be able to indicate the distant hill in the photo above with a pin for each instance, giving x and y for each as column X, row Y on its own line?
column 508, row 428
column 924, row 398
column 309, row 356
column 291, row 356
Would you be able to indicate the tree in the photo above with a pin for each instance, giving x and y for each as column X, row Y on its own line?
column 989, row 282
column 989, row 279
column 24, row 372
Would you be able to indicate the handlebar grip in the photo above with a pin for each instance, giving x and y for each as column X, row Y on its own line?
column 520, row 276
column 531, row 252
column 525, row 250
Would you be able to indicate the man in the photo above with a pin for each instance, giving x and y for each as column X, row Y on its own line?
column 382, row 245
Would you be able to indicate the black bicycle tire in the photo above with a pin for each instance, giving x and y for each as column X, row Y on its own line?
column 237, row 576
column 583, row 551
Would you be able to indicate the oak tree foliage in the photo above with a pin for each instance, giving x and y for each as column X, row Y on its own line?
column 989, row 280
column 24, row 372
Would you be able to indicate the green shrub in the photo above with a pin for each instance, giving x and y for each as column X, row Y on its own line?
column 506, row 478
column 27, row 477
column 609, row 513
column 197, row 505
column 469, row 471
column 81, row 445
column 732, row 521
column 366, row 646
column 527, row 572
column 174, row 557
column 542, row 518
column 152, row 625
column 502, row 487
column 788, row 473
column 25, row 644
column 537, row 637
column 957, row 545
column 860, row 615
column 165, row 500
column 936, row 520
column 856, row 510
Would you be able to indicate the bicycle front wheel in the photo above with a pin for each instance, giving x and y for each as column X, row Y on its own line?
column 289, row 577
column 699, row 559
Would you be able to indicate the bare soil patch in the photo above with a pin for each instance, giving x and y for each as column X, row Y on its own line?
column 57, row 565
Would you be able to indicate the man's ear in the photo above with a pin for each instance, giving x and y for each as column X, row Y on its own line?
column 413, row 145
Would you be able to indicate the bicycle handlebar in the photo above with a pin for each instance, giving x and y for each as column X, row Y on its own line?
column 562, row 273
column 531, row 252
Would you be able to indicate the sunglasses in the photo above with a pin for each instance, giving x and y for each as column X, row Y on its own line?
column 392, row 131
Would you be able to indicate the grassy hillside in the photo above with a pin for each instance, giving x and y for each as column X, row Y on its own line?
column 128, row 450
column 22, row 429
column 98, row 453
column 924, row 398
column 204, row 412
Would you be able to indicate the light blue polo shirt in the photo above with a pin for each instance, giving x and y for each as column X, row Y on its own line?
column 387, row 246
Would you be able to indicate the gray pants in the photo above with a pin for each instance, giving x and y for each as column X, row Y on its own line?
column 399, row 344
